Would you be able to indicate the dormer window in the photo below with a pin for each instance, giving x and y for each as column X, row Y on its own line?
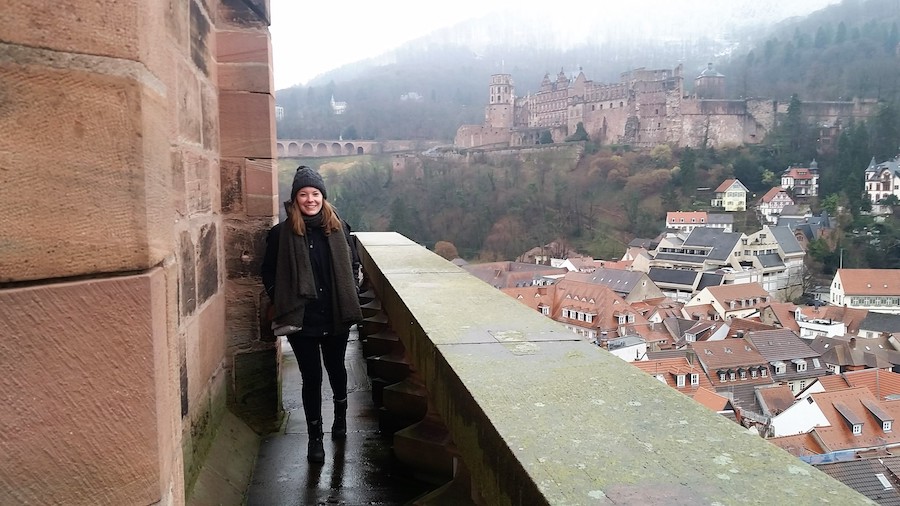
column 679, row 380
column 857, row 429
column 695, row 379
column 743, row 374
column 763, row 372
column 801, row 365
column 731, row 375
column 722, row 376
column 779, row 367
column 545, row 310
column 886, row 425
column 753, row 373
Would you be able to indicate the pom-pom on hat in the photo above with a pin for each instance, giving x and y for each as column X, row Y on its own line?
column 307, row 177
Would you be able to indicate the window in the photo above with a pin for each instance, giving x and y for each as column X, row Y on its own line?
column 801, row 365
column 679, row 380
column 731, row 375
column 857, row 429
column 545, row 310
column 743, row 374
column 695, row 379
column 722, row 376
column 753, row 373
column 763, row 372
column 886, row 425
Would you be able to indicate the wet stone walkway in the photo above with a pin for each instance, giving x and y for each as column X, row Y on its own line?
column 358, row 471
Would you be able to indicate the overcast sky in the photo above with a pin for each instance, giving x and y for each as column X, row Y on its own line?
column 314, row 36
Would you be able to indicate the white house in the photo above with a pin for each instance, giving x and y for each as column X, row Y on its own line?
column 731, row 195
column 871, row 289
column 883, row 179
column 802, row 181
column 771, row 204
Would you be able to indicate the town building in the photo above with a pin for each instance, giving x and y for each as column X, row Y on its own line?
column 735, row 368
column 870, row 289
column 633, row 286
column 728, row 301
column 771, row 204
column 882, row 181
column 731, row 195
column 793, row 362
column 802, row 182
column 514, row 274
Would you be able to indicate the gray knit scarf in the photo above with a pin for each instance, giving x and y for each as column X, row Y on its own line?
column 295, row 283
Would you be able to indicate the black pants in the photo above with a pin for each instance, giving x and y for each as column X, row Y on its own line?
column 311, row 353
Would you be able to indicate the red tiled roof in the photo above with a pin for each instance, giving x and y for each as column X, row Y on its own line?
column 728, row 353
column 746, row 325
column 531, row 296
column 852, row 402
column 669, row 368
column 725, row 185
column 711, row 400
column 850, row 316
column 676, row 217
column 784, row 312
column 880, row 382
column 777, row 398
column 725, row 293
column 800, row 445
column 771, row 194
column 699, row 311
column 870, row 281
column 799, row 173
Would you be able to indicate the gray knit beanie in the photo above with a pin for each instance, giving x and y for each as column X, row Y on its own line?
column 307, row 177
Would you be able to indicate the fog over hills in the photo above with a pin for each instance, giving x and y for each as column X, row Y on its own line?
column 683, row 28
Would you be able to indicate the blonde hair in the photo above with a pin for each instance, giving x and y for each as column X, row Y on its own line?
column 330, row 220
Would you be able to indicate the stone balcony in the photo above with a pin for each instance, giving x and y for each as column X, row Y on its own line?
column 511, row 408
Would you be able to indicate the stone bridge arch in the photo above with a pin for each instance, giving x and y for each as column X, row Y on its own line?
column 325, row 147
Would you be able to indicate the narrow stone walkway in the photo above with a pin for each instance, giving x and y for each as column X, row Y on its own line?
column 358, row 471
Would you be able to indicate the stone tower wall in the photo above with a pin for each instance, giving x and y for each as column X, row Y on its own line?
column 128, row 250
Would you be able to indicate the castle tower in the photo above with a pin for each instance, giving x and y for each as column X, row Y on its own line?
column 709, row 84
column 499, row 112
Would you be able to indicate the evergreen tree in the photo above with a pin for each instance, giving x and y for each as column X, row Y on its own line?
column 688, row 173
column 841, row 34
column 885, row 134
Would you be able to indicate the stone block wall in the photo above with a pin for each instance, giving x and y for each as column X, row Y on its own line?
column 137, row 178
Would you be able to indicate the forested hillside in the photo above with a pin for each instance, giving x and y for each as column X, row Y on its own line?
column 496, row 207
column 429, row 89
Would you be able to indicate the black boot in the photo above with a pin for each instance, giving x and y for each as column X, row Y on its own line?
column 315, row 450
column 339, row 428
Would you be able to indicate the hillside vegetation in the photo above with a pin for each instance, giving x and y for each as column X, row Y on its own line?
column 597, row 198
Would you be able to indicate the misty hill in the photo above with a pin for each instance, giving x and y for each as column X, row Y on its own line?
column 842, row 51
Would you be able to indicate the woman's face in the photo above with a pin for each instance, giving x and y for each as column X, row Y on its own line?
column 309, row 199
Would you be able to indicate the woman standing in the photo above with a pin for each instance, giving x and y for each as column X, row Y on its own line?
column 310, row 273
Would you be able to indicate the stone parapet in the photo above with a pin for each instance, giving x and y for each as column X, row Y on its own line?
column 538, row 416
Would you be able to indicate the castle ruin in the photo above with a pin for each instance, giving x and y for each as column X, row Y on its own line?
column 644, row 109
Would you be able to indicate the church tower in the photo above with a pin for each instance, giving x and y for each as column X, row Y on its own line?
column 499, row 112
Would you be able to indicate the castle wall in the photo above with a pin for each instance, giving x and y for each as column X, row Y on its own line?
column 647, row 108
column 477, row 135
column 128, row 286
